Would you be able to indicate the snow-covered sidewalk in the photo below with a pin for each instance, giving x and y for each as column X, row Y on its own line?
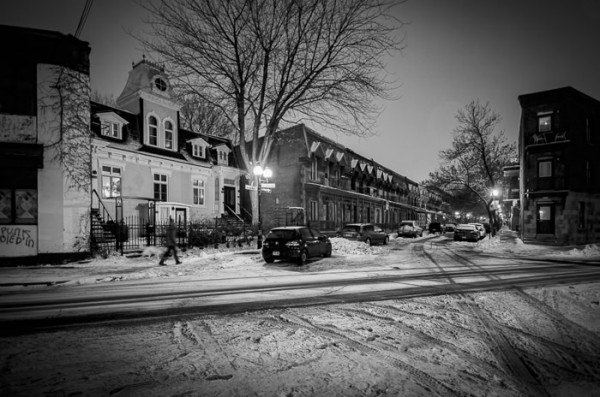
column 247, row 261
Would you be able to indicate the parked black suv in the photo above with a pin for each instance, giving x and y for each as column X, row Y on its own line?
column 435, row 227
column 295, row 243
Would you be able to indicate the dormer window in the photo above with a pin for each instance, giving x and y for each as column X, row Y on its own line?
column 168, row 135
column 199, row 147
column 198, row 151
column 152, row 131
column 223, row 155
column 111, row 125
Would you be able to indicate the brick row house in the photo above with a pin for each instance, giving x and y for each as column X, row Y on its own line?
column 560, row 167
column 331, row 185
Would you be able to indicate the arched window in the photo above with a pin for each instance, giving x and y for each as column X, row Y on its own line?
column 168, row 134
column 152, row 131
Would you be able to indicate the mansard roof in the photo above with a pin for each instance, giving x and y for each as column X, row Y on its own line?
column 132, row 137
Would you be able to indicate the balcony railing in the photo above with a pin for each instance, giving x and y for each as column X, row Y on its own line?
column 551, row 183
column 541, row 138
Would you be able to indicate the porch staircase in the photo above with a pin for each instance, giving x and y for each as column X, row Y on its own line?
column 102, row 235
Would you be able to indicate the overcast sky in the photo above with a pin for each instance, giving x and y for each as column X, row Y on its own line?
column 455, row 51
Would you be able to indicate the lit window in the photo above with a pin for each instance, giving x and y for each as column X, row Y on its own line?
column 168, row 135
column 198, row 191
column 545, row 169
column 111, row 181
column 544, row 123
column 160, row 187
column 198, row 150
column 152, row 131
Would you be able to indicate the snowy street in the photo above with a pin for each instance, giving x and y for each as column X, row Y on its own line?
column 421, row 317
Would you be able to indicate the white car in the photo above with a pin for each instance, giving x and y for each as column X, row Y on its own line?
column 480, row 229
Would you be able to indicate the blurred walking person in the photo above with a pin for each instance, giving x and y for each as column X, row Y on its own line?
column 171, row 243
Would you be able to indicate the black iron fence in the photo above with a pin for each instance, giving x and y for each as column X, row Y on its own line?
column 133, row 233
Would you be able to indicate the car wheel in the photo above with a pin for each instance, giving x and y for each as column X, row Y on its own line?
column 328, row 252
column 385, row 240
column 368, row 241
column 303, row 258
column 269, row 259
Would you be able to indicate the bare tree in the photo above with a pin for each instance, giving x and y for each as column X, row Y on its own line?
column 199, row 115
column 473, row 165
column 108, row 99
column 267, row 62
column 67, row 96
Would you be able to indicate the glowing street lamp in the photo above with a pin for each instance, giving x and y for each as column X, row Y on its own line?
column 267, row 173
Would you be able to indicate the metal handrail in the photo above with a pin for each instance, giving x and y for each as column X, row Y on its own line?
column 105, row 214
column 232, row 211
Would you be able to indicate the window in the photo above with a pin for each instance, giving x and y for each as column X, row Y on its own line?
column 160, row 187
column 223, row 158
column 111, row 129
column 160, row 84
column 198, row 191
column 18, row 206
column 152, row 131
column 111, row 181
column 544, row 123
column 168, row 135
column 198, row 151
column 314, row 169
column 314, row 211
column 111, row 124
column 545, row 168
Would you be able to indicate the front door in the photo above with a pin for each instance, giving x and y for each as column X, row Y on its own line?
column 545, row 219
column 229, row 199
column 180, row 216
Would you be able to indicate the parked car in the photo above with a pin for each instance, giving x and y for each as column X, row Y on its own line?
column 365, row 232
column 295, row 243
column 449, row 227
column 435, row 227
column 410, row 229
column 466, row 232
column 480, row 229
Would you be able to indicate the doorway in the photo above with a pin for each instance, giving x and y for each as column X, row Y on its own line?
column 229, row 199
column 545, row 218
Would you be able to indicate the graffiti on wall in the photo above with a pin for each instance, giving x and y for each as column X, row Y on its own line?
column 18, row 240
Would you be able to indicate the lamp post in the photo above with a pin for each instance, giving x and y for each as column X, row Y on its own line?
column 267, row 173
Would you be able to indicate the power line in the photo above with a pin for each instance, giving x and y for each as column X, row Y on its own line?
column 84, row 15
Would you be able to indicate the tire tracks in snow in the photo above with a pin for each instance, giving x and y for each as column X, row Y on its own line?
column 500, row 346
column 420, row 377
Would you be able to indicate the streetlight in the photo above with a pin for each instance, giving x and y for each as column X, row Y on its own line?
column 267, row 173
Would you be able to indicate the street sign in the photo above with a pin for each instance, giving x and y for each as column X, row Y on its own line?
column 265, row 190
column 267, row 185
column 250, row 187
